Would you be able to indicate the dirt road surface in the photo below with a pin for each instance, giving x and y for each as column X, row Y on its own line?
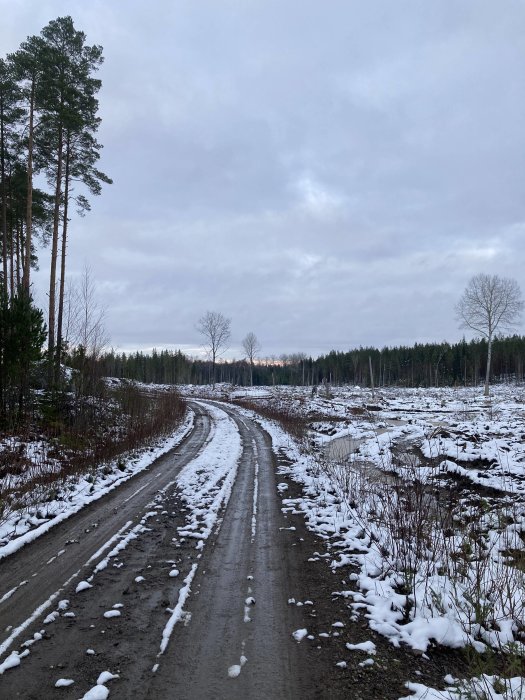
column 124, row 600
column 219, row 628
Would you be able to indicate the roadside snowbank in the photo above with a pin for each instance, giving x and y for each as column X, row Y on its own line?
column 22, row 527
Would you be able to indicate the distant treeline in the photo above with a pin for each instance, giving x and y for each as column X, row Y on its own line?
column 430, row 364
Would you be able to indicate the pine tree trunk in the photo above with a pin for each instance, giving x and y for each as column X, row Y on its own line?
column 29, row 209
column 54, row 255
column 18, row 256
column 12, row 267
column 4, row 197
column 62, row 264
column 22, row 251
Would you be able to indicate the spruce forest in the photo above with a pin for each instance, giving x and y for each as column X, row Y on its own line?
column 421, row 365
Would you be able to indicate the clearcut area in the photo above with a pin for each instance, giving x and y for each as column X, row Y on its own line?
column 175, row 585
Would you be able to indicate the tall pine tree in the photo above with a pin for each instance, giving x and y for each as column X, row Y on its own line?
column 69, row 123
column 10, row 115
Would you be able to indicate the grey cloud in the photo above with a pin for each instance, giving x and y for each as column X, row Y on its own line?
column 327, row 174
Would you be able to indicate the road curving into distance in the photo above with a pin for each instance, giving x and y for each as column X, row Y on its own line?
column 160, row 613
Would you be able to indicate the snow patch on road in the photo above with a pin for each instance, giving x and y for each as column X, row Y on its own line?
column 106, row 676
column 298, row 635
column 97, row 692
column 124, row 541
column 205, row 486
column 206, row 482
column 178, row 612
column 235, row 670
column 35, row 615
column 7, row 595
column 12, row 661
column 255, row 490
column 112, row 613
column 82, row 586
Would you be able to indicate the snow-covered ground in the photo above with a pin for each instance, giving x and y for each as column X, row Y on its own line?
column 46, row 508
column 420, row 498
column 204, row 485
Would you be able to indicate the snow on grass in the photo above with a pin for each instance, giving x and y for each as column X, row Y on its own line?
column 19, row 528
column 483, row 687
column 64, row 682
column 422, row 574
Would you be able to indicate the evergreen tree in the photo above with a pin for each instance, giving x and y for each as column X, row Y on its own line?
column 22, row 335
column 29, row 70
column 10, row 114
column 69, row 123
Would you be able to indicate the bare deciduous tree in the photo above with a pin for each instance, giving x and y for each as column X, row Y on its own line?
column 488, row 304
column 84, row 330
column 215, row 328
column 251, row 347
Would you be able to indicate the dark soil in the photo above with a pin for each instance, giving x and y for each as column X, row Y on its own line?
column 392, row 668
column 128, row 645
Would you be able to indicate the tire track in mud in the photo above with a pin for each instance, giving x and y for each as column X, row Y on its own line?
column 238, row 642
column 35, row 577
column 233, row 638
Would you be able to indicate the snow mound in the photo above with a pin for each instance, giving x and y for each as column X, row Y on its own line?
column 97, row 692
column 83, row 586
column 299, row 634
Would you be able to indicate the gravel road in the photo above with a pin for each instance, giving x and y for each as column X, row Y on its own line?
column 232, row 625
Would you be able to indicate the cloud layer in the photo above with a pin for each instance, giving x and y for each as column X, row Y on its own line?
column 327, row 175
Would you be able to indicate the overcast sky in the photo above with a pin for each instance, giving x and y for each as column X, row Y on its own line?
column 327, row 174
